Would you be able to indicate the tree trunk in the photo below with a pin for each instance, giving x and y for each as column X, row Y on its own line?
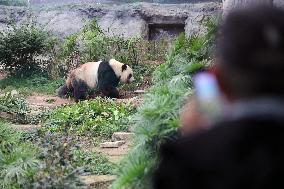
column 229, row 5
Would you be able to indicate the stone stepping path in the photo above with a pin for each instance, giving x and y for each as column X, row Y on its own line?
column 114, row 150
column 98, row 181
column 117, row 148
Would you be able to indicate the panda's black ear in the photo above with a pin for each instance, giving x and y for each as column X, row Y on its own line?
column 124, row 67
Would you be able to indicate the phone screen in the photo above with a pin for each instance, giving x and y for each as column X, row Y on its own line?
column 208, row 96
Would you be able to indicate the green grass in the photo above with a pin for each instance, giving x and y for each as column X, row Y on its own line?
column 29, row 85
column 93, row 162
column 98, row 118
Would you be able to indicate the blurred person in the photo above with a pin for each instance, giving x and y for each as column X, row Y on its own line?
column 245, row 149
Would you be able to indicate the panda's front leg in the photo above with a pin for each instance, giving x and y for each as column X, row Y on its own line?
column 110, row 91
column 80, row 89
column 79, row 95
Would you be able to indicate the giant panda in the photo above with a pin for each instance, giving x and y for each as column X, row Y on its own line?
column 101, row 75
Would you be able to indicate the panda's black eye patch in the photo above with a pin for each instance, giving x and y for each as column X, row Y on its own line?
column 129, row 76
column 124, row 67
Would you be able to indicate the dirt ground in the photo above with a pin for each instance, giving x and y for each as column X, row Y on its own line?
column 47, row 101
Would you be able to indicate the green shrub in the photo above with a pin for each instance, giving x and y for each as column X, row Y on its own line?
column 20, row 48
column 157, row 119
column 69, row 46
column 96, row 45
column 99, row 118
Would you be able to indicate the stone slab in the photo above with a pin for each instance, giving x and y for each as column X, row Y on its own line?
column 115, row 144
column 122, row 136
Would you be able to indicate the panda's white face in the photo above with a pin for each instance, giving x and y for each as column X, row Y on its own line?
column 123, row 71
column 126, row 74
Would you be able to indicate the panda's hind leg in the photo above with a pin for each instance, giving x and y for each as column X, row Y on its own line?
column 80, row 89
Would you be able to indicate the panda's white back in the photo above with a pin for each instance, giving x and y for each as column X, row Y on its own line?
column 88, row 72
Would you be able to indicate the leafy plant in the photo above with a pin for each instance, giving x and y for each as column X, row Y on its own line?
column 14, row 105
column 56, row 170
column 8, row 137
column 18, row 110
column 18, row 160
column 97, row 45
column 158, row 118
column 93, row 162
column 99, row 118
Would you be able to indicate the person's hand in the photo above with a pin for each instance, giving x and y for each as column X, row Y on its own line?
column 191, row 118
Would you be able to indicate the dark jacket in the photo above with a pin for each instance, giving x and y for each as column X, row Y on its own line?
column 244, row 153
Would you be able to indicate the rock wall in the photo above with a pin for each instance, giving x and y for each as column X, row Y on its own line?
column 127, row 20
column 45, row 2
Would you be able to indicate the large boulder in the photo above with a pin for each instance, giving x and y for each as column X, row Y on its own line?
column 61, row 23
column 127, row 27
column 194, row 24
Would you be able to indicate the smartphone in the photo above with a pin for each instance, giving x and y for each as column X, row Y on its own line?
column 208, row 96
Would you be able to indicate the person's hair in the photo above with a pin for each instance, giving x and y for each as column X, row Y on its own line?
column 251, row 50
